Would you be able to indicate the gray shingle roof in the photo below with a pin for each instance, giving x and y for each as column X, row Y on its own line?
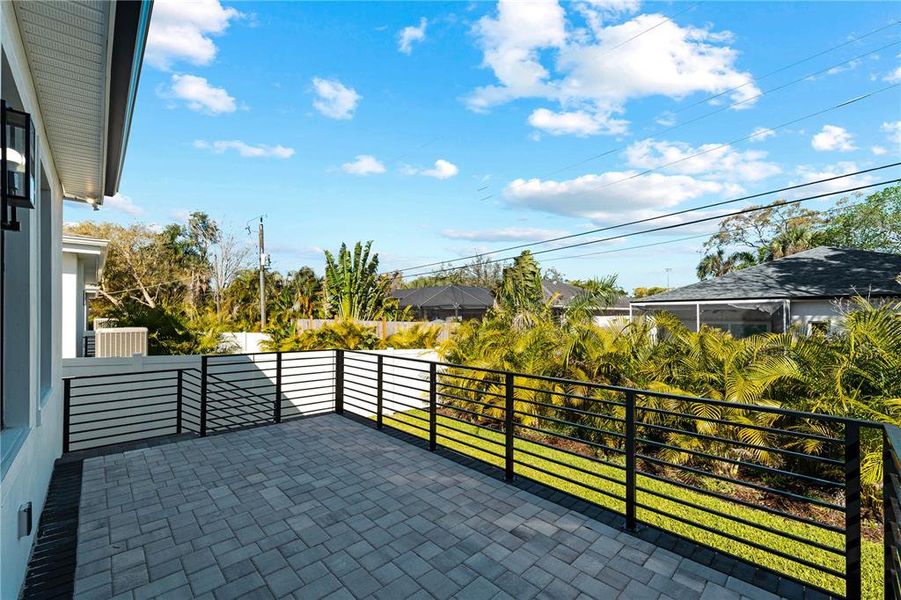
column 447, row 296
column 822, row 272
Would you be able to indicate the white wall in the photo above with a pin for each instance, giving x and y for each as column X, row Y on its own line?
column 405, row 382
column 29, row 446
column 70, row 306
column 805, row 312
column 243, row 341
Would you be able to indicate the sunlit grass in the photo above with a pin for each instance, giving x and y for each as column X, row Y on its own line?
column 536, row 456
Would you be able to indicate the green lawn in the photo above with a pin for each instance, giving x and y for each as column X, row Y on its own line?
column 566, row 465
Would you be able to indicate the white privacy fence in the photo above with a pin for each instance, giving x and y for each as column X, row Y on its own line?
column 115, row 400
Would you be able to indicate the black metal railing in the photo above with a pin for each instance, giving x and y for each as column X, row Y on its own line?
column 778, row 488
column 88, row 345
column 891, row 495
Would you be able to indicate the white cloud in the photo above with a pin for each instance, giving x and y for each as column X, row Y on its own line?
column 334, row 99
column 443, row 169
column 761, row 133
column 122, row 204
column 878, row 150
column 505, row 234
column 597, row 73
column 364, row 164
column 894, row 76
column 893, row 130
column 717, row 161
column 409, row 35
column 181, row 30
column 609, row 195
column 808, row 173
column 244, row 149
column 579, row 122
column 199, row 95
column 832, row 137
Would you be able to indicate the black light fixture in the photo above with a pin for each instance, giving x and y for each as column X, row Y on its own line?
column 16, row 163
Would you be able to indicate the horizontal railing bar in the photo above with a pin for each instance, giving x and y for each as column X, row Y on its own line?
column 406, row 424
column 115, row 400
column 569, row 395
column 571, row 453
column 136, row 423
column 170, row 386
column 74, row 378
column 469, row 389
column 262, row 377
column 73, row 423
column 477, row 427
column 352, row 405
column 741, row 463
column 468, row 445
column 714, row 438
column 473, row 379
column 571, row 424
column 89, row 386
column 573, row 481
column 745, row 503
column 469, row 401
column 469, row 412
column 574, row 467
column 752, row 544
column 289, row 388
column 106, row 437
column 308, row 402
column 580, row 411
column 776, row 430
column 171, row 402
column 743, row 483
column 570, row 438
column 743, row 521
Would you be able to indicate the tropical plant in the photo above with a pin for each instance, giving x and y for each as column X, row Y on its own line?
column 353, row 288
column 718, row 263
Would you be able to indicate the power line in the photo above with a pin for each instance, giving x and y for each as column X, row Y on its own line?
column 803, row 78
column 667, row 227
column 657, row 217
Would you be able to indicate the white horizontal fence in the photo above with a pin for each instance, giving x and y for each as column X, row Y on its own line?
column 405, row 382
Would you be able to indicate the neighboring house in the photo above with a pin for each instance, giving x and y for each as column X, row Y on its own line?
column 616, row 313
column 808, row 290
column 440, row 303
column 83, row 259
column 73, row 67
column 560, row 294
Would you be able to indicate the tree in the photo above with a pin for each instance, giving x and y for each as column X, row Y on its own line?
column 227, row 257
column 871, row 224
column 481, row 271
column 716, row 264
column 521, row 288
column 353, row 287
column 643, row 292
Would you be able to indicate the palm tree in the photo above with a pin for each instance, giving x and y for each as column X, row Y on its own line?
column 352, row 287
column 794, row 239
column 718, row 264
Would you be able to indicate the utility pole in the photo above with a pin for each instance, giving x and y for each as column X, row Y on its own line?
column 262, row 278
column 667, row 269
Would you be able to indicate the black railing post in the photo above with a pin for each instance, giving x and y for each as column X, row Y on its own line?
column 630, row 460
column 339, row 382
column 891, row 508
column 178, row 402
column 433, row 407
column 852, row 511
column 508, row 426
column 203, row 368
column 67, row 411
column 379, row 390
column 277, row 408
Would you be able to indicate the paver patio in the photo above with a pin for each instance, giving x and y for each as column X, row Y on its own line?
column 327, row 507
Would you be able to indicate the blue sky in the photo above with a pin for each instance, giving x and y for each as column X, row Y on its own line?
column 442, row 129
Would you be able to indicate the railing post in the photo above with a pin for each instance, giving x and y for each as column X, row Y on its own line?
column 630, row 460
column 433, row 407
column 339, row 382
column 508, row 426
column 852, row 511
column 277, row 408
column 379, row 390
column 203, row 368
column 178, row 399
column 888, row 524
column 67, row 406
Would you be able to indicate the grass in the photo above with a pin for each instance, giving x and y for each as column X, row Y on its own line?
column 569, row 476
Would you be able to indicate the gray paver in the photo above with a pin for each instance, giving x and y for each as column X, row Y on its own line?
column 327, row 508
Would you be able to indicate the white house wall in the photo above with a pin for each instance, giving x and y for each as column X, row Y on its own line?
column 29, row 448
column 805, row 312
column 70, row 306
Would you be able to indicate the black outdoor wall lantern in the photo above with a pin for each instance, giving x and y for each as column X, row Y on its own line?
column 16, row 163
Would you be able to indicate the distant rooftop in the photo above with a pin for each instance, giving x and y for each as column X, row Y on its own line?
column 446, row 296
column 822, row 272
